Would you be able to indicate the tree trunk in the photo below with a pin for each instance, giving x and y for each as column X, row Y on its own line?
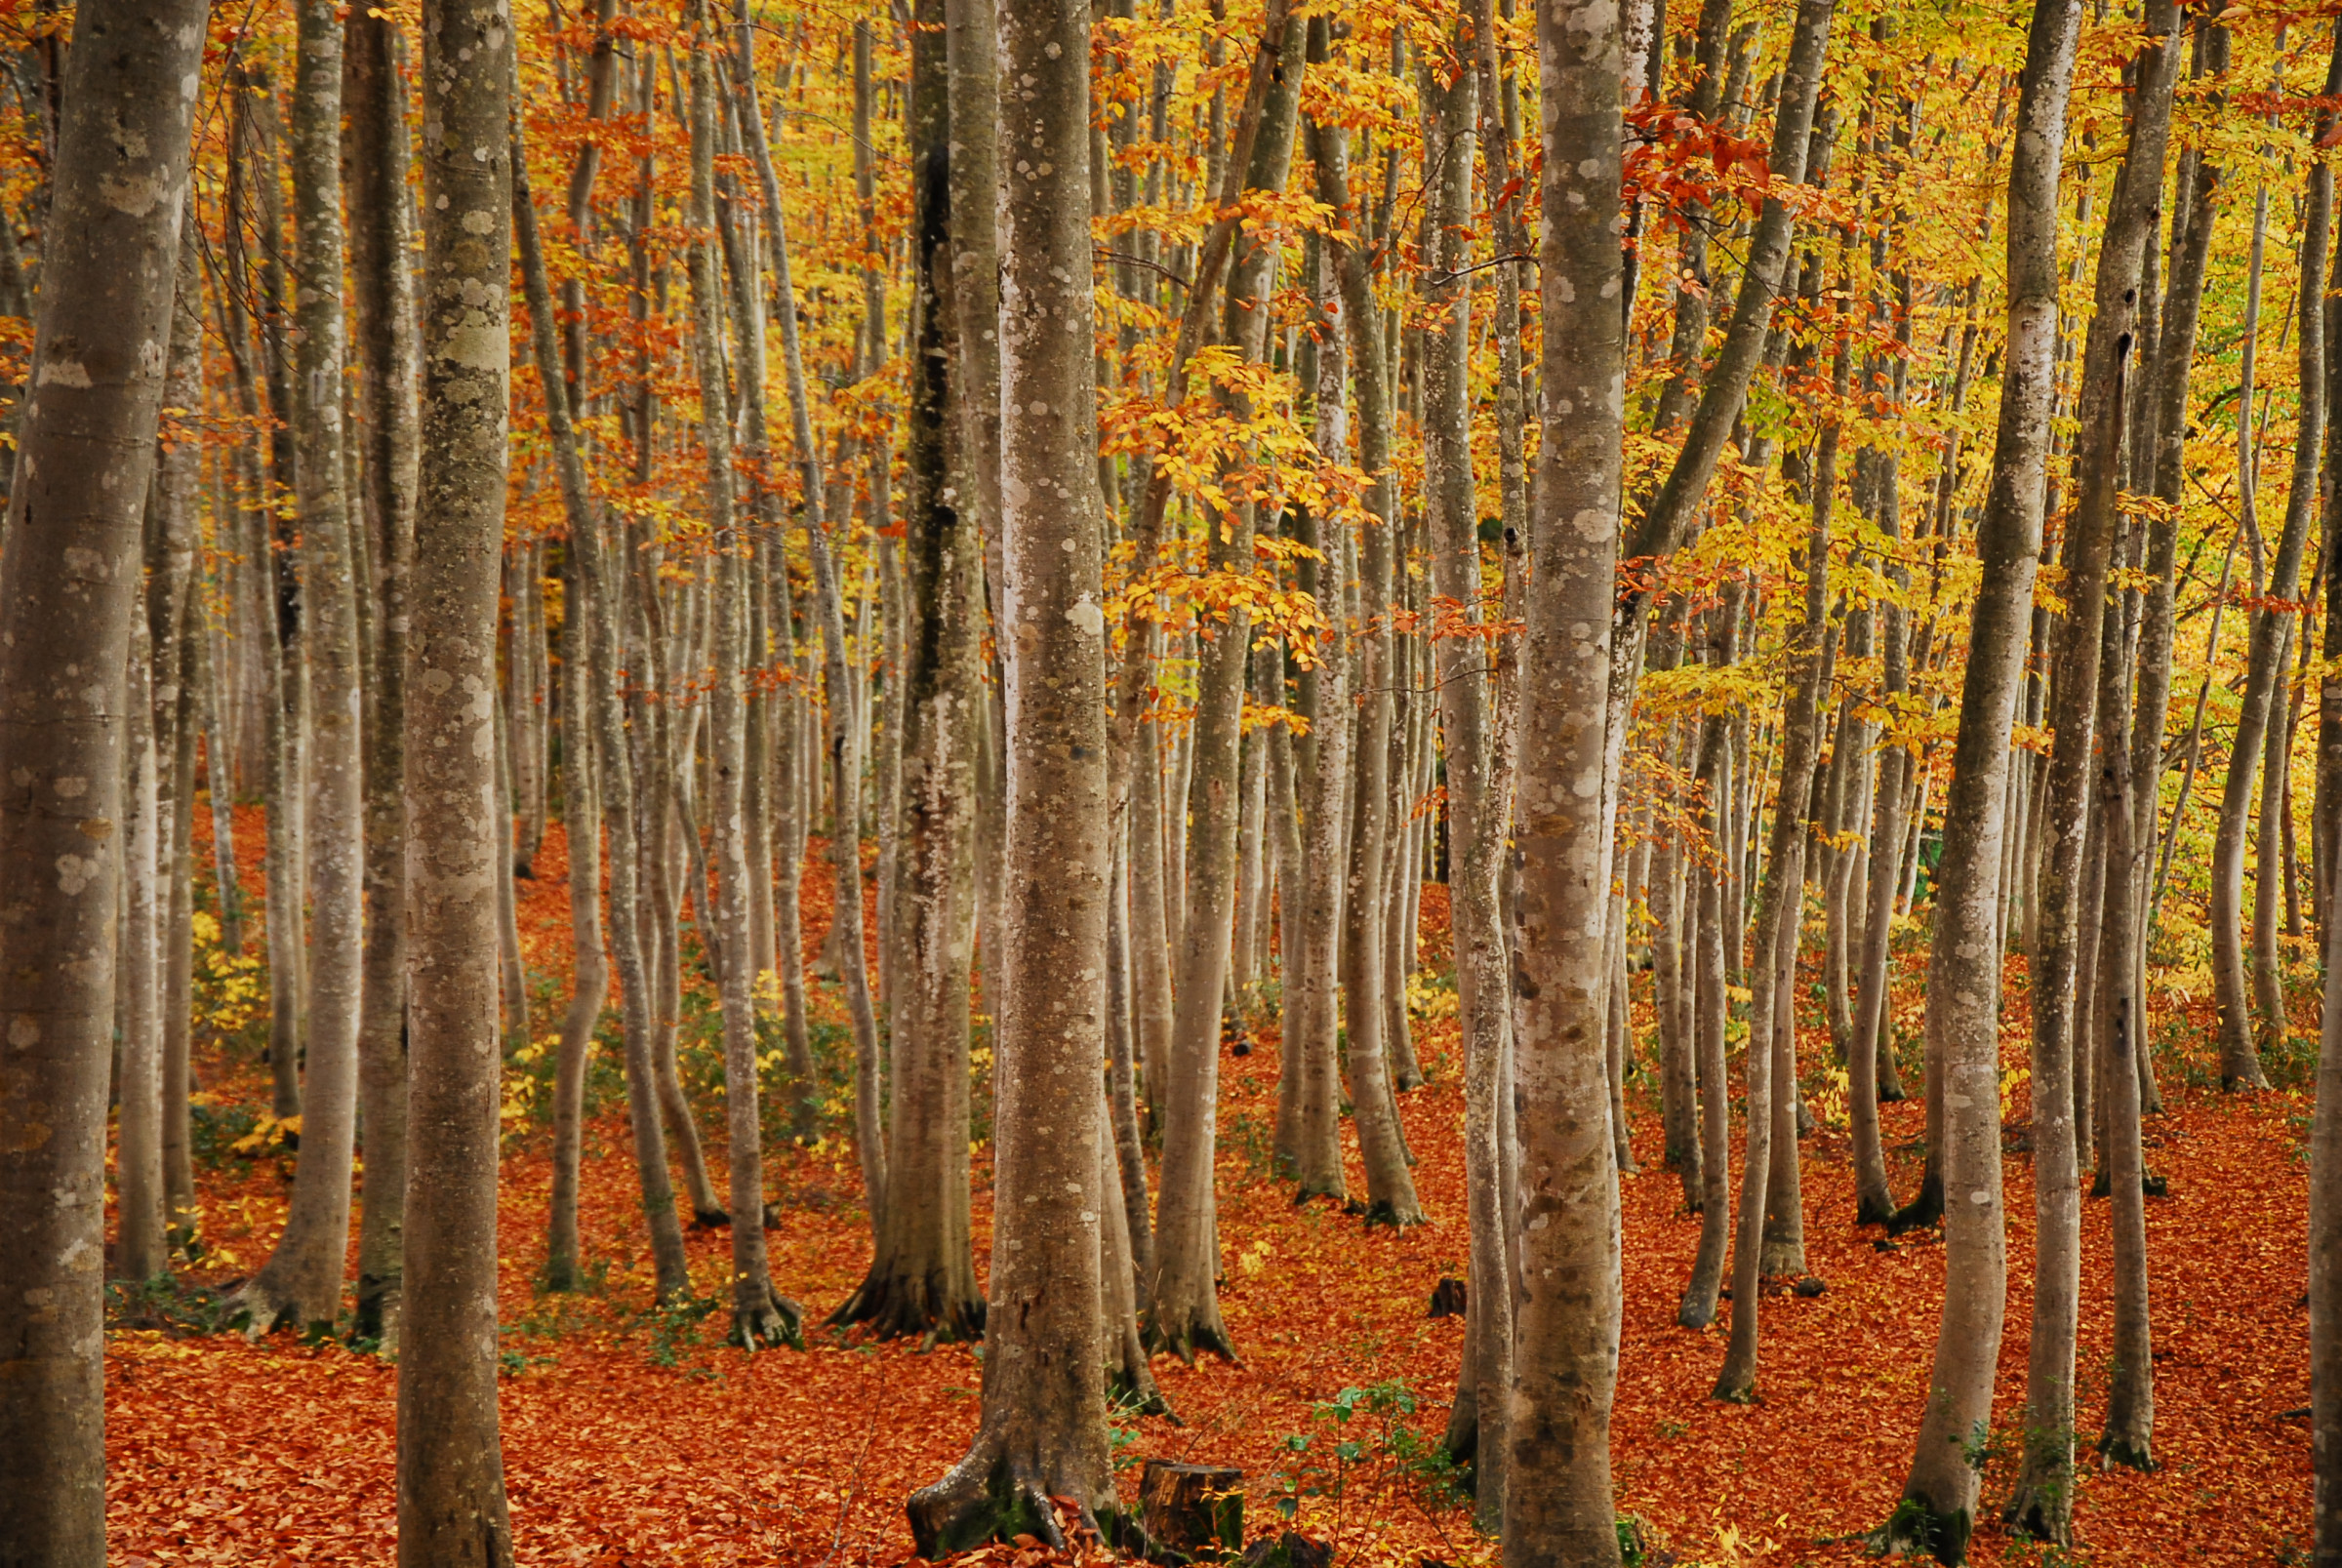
column 1557, row 1499
column 1044, row 1431
column 451, row 1489
column 68, row 589
column 377, row 154
column 1939, row 1497
column 302, row 1281
column 1314, row 901
column 1389, row 1186
column 760, row 1316
column 922, row 1278
column 1183, row 1307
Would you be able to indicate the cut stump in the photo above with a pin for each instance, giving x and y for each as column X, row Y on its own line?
column 1191, row 1512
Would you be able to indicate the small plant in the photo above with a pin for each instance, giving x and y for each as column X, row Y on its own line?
column 676, row 1329
column 1367, row 1445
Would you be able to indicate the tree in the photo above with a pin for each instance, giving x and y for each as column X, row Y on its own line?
column 68, row 588
column 922, row 1279
column 302, row 1281
column 1938, row 1509
column 1043, row 1432
column 1557, row 1504
column 450, row 1484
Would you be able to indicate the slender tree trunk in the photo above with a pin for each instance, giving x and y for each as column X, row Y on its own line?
column 1183, row 1312
column 377, row 153
column 1312, row 1042
column 760, row 1317
column 1044, row 1431
column 1939, row 1497
column 1389, row 1186
column 839, row 736
column 922, row 1278
column 302, row 1281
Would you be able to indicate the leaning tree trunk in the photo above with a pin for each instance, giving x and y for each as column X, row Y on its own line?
column 450, row 1483
column 1557, row 1499
column 2043, row 1503
column 1964, row 976
column 1043, row 1432
column 760, row 1316
column 68, row 587
column 302, row 1281
column 1183, row 1312
column 2272, row 624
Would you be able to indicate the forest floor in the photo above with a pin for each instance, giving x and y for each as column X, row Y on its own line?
column 636, row 1437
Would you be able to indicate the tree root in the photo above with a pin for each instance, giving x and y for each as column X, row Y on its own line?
column 1190, row 1338
column 892, row 1306
column 990, row 1497
column 1382, row 1212
column 768, row 1324
column 1921, row 1211
column 2042, row 1507
column 711, row 1219
column 2134, row 1451
column 258, row 1311
column 1915, row 1527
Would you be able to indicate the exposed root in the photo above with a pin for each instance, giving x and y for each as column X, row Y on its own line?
column 895, row 1306
column 990, row 1497
column 1383, row 1212
column 1921, row 1212
column 768, row 1324
column 2133, row 1450
column 711, row 1219
column 1697, row 1310
column 1190, row 1338
column 1735, row 1390
column 1915, row 1527
column 2042, row 1507
column 259, row 1311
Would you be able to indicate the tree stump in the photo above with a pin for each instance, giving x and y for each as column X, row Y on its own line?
column 1191, row 1511
column 1447, row 1298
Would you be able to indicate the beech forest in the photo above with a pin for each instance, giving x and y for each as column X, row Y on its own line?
column 1416, row 784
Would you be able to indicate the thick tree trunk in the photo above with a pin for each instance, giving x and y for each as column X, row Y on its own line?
column 1558, row 1498
column 68, row 589
column 451, row 1490
column 1044, row 1431
column 1963, row 982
